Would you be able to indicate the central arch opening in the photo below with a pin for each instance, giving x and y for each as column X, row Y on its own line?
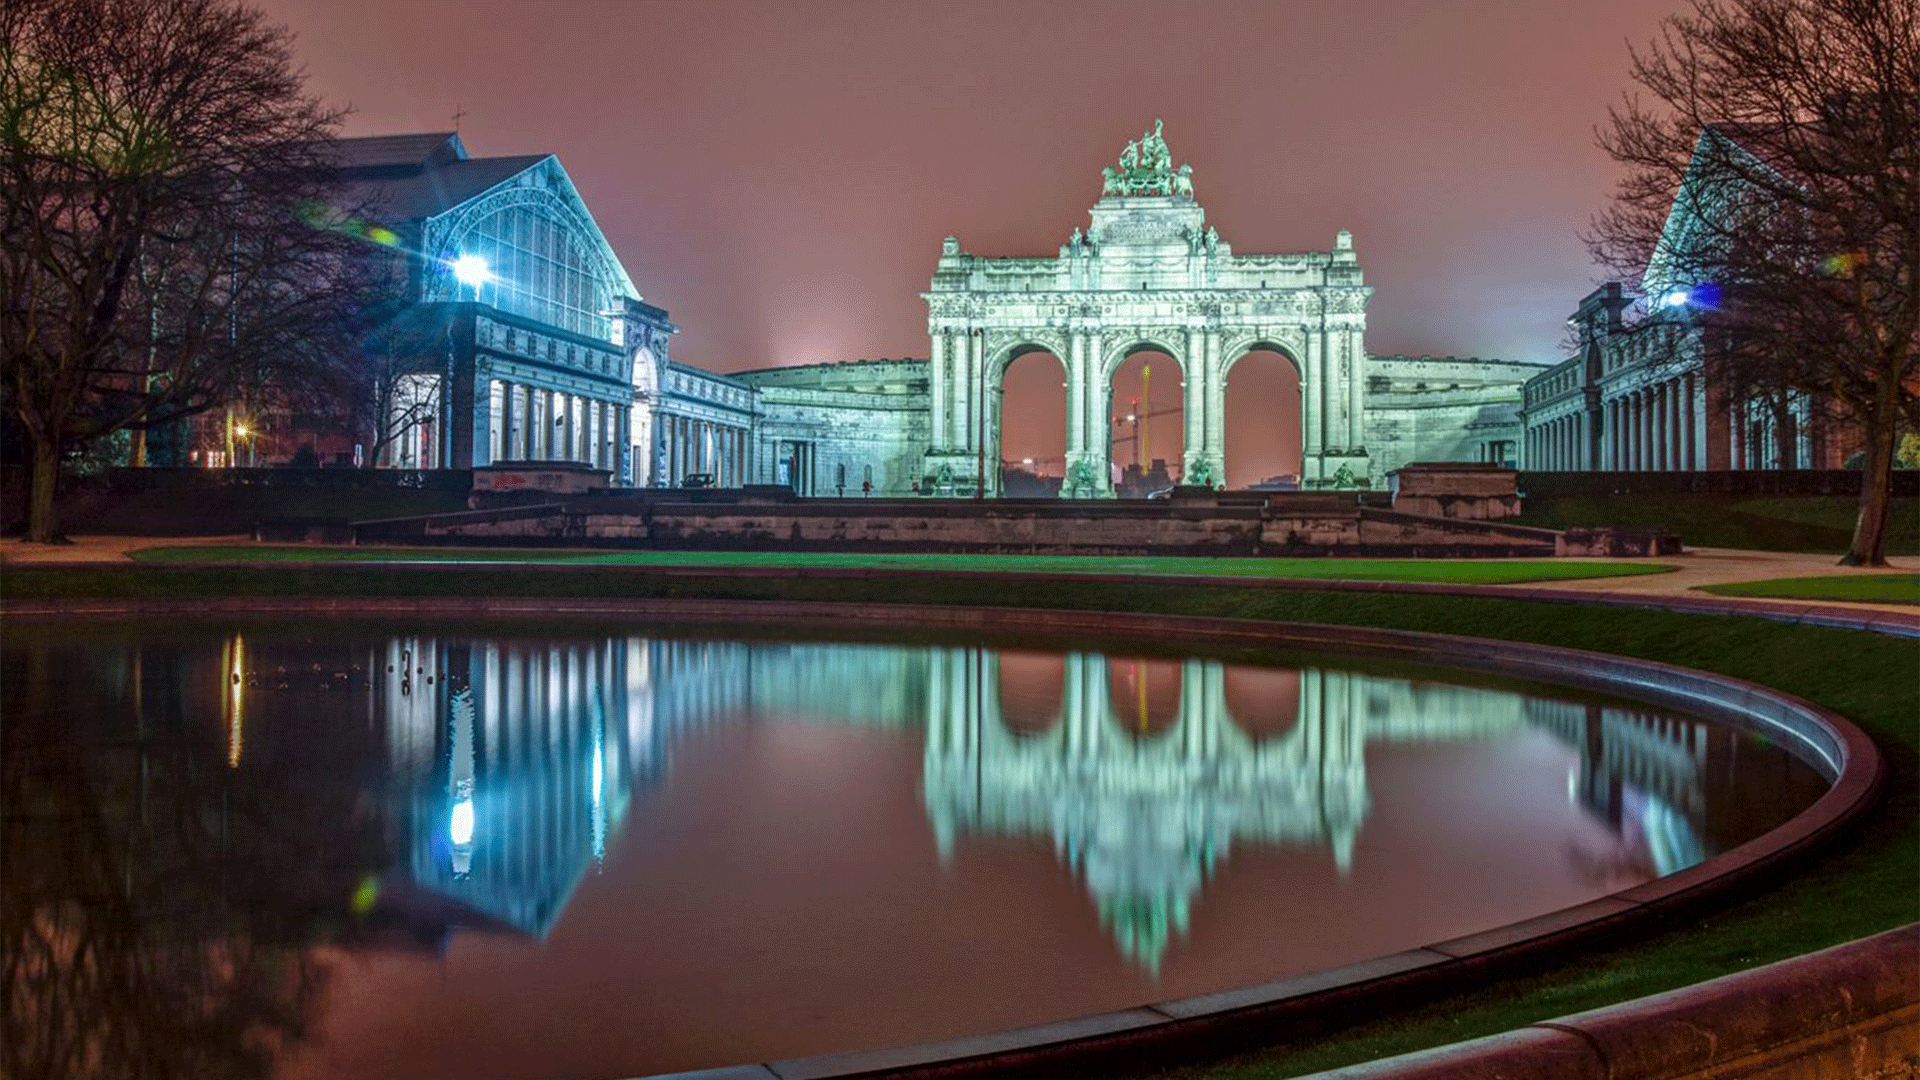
column 1033, row 687
column 1144, row 695
column 1147, row 423
column 1263, row 421
column 1033, row 425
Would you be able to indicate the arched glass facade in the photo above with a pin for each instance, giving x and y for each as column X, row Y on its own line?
column 540, row 269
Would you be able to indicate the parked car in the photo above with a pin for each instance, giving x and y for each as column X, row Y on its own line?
column 697, row 480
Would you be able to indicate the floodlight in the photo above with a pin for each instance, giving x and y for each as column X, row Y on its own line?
column 472, row 270
column 1675, row 298
column 460, row 826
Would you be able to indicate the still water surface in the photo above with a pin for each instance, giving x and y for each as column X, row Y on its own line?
column 402, row 852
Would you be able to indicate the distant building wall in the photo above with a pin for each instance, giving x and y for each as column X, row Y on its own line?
column 831, row 429
column 1444, row 408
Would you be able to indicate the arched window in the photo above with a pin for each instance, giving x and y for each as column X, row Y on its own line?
column 540, row 268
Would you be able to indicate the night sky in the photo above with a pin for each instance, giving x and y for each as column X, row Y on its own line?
column 778, row 175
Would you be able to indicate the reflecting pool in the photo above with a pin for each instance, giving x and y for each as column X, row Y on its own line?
column 408, row 851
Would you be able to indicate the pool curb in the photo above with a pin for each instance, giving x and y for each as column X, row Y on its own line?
column 1165, row 1031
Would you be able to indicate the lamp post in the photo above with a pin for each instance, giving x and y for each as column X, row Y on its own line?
column 471, row 270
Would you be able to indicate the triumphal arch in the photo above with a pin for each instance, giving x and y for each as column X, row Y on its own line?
column 1148, row 274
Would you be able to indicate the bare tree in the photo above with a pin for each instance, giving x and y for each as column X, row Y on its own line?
column 397, row 382
column 166, row 237
column 1771, row 204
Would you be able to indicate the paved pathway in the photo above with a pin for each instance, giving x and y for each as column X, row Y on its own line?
column 1698, row 566
column 1720, row 566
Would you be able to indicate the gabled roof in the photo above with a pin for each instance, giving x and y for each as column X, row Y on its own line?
column 407, row 151
column 400, row 181
column 409, row 178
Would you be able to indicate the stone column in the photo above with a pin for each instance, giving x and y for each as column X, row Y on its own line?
column 1076, row 361
column 1312, row 429
column 1682, row 421
column 1665, row 423
column 976, row 396
column 1647, row 456
column 1329, row 365
column 521, row 421
column 1661, row 427
column 1356, row 358
column 1098, row 413
column 1661, row 424
column 1630, row 430
column 938, row 388
column 1191, row 398
column 1200, row 379
column 1613, row 435
column 1213, row 434
column 503, row 449
column 1697, row 420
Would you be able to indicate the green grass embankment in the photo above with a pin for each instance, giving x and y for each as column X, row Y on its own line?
column 1770, row 523
column 1867, row 882
column 1861, row 588
column 1457, row 572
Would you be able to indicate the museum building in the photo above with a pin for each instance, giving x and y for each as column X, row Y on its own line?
column 1641, row 392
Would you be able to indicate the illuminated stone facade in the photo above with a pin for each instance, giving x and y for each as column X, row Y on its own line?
column 1149, row 274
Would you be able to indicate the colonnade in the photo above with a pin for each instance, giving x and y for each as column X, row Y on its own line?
column 536, row 423
column 1560, row 444
column 1658, row 428
column 690, row 445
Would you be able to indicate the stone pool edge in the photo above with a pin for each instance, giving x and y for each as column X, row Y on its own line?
column 1166, row 1031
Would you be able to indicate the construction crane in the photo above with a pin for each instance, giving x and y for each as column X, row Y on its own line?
column 1141, row 438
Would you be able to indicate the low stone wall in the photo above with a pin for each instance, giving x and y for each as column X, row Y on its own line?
column 1849, row 1011
column 1291, row 525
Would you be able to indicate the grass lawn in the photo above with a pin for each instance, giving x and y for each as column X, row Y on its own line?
column 1769, row 523
column 1866, row 588
column 1451, row 571
column 1867, row 882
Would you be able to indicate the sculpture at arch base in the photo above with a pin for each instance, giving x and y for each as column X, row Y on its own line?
column 1083, row 481
column 1203, row 474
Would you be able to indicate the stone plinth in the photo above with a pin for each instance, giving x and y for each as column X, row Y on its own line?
column 1451, row 490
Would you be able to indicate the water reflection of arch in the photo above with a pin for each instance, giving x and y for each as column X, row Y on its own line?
column 1144, row 822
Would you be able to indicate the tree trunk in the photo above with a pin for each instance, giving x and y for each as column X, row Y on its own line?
column 42, row 527
column 1869, row 547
